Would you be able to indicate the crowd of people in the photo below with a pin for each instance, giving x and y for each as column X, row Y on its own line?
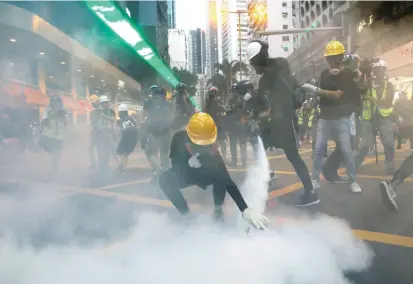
column 351, row 104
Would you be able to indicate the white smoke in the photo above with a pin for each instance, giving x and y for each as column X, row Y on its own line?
column 158, row 250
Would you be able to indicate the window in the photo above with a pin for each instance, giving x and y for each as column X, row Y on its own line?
column 286, row 38
column 286, row 48
column 284, row 4
column 285, row 15
column 285, row 27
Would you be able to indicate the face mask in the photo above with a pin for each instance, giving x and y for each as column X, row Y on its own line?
column 202, row 150
column 334, row 72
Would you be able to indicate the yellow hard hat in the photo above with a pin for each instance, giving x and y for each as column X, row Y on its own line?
column 202, row 129
column 93, row 99
column 334, row 47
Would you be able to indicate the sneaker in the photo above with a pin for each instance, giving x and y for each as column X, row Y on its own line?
column 316, row 184
column 272, row 175
column 308, row 199
column 218, row 214
column 388, row 196
column 334, row 179
column 355, row 187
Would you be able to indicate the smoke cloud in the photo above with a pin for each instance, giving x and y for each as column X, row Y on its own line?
column 157, row 249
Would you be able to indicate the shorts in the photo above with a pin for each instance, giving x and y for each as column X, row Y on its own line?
column 127, row 144
column 50, row 145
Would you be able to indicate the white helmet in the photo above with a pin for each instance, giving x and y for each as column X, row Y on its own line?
column 381, row 63
column 253, row 49
column 123, row 107
column 103, row 99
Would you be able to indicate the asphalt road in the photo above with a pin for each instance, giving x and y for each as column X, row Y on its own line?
column 112, row 200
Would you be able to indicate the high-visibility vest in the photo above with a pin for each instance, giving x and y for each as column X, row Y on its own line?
column 300, row 114
column 369, row 109
column 310, row 119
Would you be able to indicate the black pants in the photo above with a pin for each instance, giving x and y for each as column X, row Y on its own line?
column 405, row 170
column 172, row 181
column 238, row 135
column 282, row 135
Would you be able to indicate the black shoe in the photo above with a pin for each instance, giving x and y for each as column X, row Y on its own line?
column 218, row 214
column 335, row 180
column 308, row 200
column 388, row 196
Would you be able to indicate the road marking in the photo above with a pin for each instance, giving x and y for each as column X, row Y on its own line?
column 296, row 186
column 116, row 185
column 384, row 238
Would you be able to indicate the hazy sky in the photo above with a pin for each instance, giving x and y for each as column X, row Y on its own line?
column 191, row 14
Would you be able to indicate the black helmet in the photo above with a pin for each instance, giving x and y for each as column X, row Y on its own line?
column 244, row 86
column 234, row 88
column 180, row 87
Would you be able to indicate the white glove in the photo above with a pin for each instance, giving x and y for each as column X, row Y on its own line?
column 309, row 88
column 255, row 219
column 247, row 97
column 194, row 162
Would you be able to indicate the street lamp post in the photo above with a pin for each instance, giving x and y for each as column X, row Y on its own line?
column 239, row 13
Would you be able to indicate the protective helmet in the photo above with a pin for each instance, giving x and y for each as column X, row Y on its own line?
column 253, row 49
column 152, row 88
column 103, row 99
column 158, row 91
column 93, row 99
column 213, row 90
column 180, row 87
column 380, row 63
column 202, row 129
column 123, row 107
column 334, row 47
column 244, row 86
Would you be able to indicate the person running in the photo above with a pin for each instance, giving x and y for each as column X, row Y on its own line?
column 277, row 105
column 129, row 136
column 196, row 160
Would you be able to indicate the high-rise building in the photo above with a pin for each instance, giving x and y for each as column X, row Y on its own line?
column 152, row 18
column 196, row 58
column 211, row 38
column 229, row 30
column 171, row 14
column 280, row 17
column 177, row 48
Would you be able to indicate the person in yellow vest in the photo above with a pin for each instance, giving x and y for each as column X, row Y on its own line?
column 377, row 115
column 303, row 115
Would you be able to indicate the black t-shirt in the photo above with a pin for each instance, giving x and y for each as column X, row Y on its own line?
column 332, row 109
column 212, row 168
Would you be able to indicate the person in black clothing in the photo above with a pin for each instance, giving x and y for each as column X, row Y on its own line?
column 181, row 107
column 236, row 127
column 338, row 95
column 216, row 109
column 277, row 103
column 129, row 136
column 196, row 160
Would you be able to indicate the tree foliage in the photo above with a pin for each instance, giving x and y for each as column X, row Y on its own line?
column 186, row 77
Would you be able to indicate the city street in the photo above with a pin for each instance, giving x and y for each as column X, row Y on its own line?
column 112, row 202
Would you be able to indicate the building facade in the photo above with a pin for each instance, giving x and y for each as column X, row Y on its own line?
column 229, row 31
column 171, row 14
column 280, row 17
column 211, row 39
column 196, row 55
column 307, row 60
column 177, row 48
